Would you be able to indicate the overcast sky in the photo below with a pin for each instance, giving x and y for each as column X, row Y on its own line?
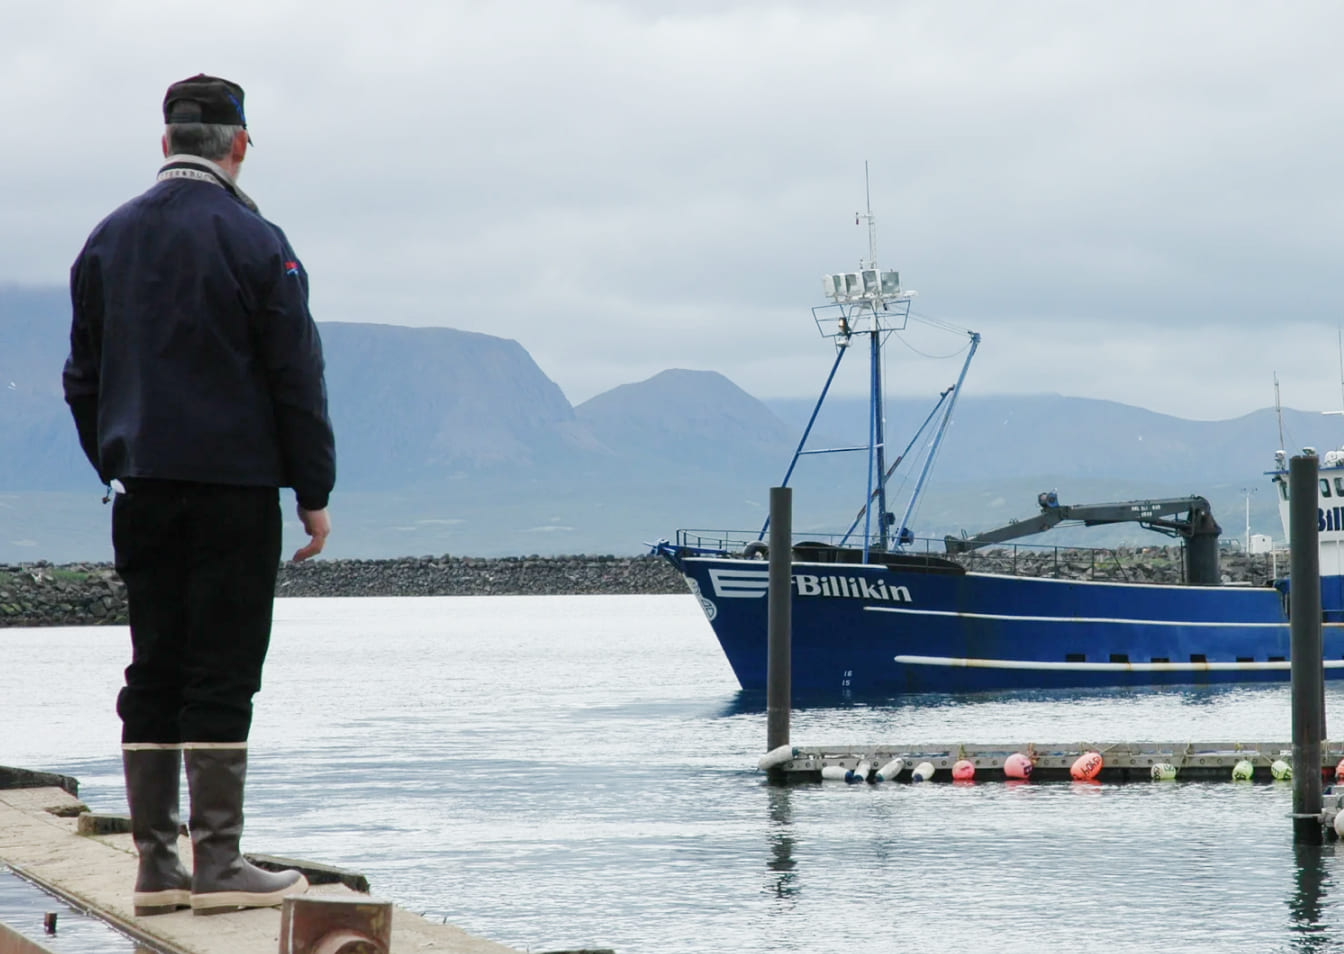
column 1140, row 202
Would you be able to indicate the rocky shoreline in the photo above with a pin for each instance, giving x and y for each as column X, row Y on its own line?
column 84, row 594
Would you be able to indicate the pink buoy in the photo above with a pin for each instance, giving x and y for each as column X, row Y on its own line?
column 1339, row 771
column 1017, row 765
column 963, row 770
column 1087, row 767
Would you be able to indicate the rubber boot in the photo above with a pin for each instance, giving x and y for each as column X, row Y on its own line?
column 223, row 879
column 162, row 885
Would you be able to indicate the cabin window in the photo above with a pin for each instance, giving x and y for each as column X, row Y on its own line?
column 1325, row 487
column 1075, row 657
column 1245, row 659
column 1197, row 658
column 1161, row 659
column 1277, row 659
column 1119, row 657
column 1339, row 486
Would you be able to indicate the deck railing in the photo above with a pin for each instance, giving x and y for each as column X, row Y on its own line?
column 1158, row 564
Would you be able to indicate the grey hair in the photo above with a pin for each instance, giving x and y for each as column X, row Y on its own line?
column 207, row 140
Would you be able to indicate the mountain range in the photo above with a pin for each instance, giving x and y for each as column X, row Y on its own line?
column 457, row 442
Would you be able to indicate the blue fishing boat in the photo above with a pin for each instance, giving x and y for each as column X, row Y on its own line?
column 879, row 612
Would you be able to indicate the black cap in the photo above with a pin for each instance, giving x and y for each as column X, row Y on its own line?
column 204, row 99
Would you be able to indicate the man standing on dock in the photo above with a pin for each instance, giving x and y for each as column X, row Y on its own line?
column 196, row 380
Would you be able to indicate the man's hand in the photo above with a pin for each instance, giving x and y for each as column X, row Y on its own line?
column 317, row 525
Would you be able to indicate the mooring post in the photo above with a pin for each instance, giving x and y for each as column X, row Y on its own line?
column 779, row 671
column 1306, row 670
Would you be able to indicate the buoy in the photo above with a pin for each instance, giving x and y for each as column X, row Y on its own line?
column 923, row 772
column 963, row 770
column 890, row 770
column 1017, row 765
column 775, row 758
column 834, row 772
column 1339, row 771
column 1163, row 771
column 1339, row 824
column 1281, row 770
column 1087, row 767
column 1243, row 771
column 859, row 774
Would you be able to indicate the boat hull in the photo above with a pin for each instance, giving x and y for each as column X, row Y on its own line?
column 874, row 630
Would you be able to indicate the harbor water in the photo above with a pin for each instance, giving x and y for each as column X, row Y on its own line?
column 571, row 772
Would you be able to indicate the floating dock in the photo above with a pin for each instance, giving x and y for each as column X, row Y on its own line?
column 1121, row 761
column 48, row 837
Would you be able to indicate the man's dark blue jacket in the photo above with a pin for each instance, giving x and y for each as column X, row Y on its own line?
column 193, row 356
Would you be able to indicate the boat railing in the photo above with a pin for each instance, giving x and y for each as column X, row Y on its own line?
column 1127, row 564
column 1074, row 563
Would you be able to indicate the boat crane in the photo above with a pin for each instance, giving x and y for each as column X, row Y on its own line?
column 1197, row 527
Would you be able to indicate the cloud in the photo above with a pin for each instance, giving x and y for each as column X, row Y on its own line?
column 1135, row 202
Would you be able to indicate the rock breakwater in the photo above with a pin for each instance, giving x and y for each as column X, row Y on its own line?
column 85, row 594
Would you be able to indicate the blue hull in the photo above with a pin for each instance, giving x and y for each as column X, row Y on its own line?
column 980, row 632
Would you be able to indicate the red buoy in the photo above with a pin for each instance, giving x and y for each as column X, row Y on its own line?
column 1087, row 767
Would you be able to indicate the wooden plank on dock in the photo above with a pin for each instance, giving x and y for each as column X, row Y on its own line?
column 96, row 874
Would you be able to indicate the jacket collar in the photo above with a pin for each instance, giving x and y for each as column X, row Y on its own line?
column 203, row 170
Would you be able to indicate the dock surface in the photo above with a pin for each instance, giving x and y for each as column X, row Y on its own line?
column 39, row 840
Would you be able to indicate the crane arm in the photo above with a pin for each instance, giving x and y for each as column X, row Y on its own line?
column 1198, row 520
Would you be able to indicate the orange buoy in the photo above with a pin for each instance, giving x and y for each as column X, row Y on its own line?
column 1087, row 767
column 1017, row 765
column 963, row 770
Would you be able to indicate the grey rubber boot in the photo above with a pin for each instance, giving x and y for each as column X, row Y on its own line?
column 223, row 879
column 153, row 776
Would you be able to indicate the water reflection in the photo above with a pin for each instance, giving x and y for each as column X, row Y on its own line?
column 783, row 879
column 1311, row 880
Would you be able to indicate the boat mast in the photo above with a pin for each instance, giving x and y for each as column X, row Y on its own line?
column 877, row 429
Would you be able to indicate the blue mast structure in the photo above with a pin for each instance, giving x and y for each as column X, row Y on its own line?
column 871, row 302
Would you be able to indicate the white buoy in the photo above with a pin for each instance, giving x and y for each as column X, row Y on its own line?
column 923, row 772
column 1339, row 824
column 890, row 770
column 1243, row 771
column 776, row 757
column 1281, row 770
column 1163, row 771
column 834, row 772
column 860, row 773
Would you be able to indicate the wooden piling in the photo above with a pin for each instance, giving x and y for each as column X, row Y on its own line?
column 1308, row 673
column 779, row 671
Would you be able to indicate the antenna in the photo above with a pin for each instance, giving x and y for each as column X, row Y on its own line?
column 872, row 221
column 1278, row 409
column 1340, row 334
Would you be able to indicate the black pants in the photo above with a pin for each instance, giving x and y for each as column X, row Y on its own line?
column 199, row 562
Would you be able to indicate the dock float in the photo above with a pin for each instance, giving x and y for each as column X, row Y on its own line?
column 41, row 841
column 1120, row 761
